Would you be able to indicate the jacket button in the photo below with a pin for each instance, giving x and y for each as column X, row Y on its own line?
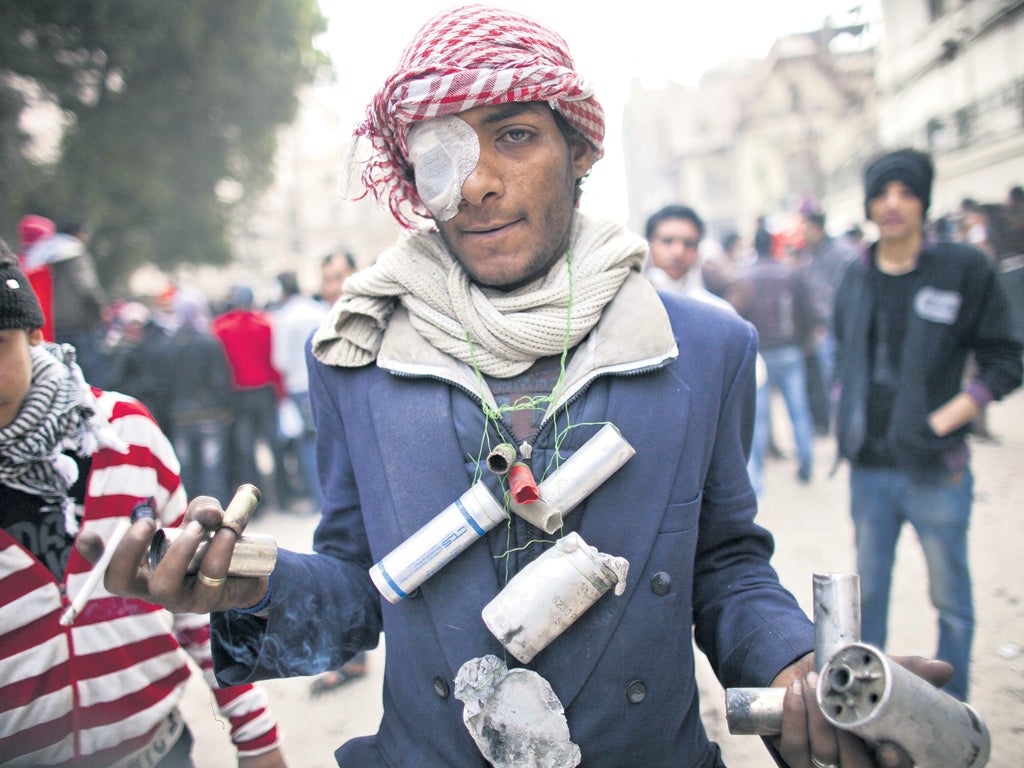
column 636, row 692
column 661, row 583
column 441, row 687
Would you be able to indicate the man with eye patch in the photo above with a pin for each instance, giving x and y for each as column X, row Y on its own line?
column 507, row 317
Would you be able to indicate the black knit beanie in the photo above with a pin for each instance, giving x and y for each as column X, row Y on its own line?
column 19, row 307
column 910, row 166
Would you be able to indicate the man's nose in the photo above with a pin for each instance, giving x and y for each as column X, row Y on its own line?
column 892, row 198
column 485, row 180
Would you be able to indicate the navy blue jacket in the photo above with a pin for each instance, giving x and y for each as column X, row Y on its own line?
column 392, row 441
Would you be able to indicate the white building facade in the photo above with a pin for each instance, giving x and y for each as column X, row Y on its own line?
column 951, row 81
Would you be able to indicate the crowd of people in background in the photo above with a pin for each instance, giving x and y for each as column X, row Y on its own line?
column 223, row 377
column 784, row 279
column 226, row 379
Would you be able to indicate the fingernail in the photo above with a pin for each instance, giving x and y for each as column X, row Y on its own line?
column 195, row 528
column 888, row 755
column 812, row 679
column 797, row 687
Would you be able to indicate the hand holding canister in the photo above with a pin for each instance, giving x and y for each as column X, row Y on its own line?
column 254, row 554
column 862, row 691
column 187, row 569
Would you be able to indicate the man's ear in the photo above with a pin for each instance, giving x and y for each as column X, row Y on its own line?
column 35, row 336
column 583, row 158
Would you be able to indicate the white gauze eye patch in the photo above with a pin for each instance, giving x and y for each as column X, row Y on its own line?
column 443, row 152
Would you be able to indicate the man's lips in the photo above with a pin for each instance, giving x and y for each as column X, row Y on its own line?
column 891, row 220
column 488, row 228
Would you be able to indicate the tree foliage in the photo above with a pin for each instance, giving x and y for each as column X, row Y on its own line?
column 164, row 104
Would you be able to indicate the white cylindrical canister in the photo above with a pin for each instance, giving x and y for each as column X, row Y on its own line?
column 862, row 691
column 549, row 594
column 434, row 545
column 836, row 614
column 578, row 477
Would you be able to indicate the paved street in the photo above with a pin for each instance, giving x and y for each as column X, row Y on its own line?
column 813, row 534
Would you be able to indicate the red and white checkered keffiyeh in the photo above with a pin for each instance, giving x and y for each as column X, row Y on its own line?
column 460, row 59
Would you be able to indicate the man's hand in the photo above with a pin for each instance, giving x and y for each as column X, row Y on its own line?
column 808, row 740
column 129, row 574
column 953, row 414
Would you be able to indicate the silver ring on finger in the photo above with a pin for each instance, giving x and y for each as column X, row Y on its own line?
column 822, row 764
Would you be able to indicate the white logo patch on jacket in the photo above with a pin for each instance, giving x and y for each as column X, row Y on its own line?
column 937, row 305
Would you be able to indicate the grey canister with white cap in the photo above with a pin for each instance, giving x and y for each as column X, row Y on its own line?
column 548, row 595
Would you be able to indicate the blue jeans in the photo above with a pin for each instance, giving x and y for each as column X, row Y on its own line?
column 786, row 373
column 826, row 354
column 759, row 447
column 201, row 447
column 255, row 413
column 881, row 500
column 305, row 448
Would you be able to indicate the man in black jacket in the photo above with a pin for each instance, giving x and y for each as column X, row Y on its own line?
column 906, row 318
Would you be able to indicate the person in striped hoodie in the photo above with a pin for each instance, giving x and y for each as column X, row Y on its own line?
column 103, row 691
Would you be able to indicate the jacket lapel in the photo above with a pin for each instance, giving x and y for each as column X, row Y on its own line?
column 424, row 465
column 618, row 523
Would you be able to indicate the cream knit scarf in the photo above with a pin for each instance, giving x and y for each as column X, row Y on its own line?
column 502, row 334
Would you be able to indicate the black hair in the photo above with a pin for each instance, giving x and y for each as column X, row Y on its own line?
column 763, row 243
column 573, row 136
column 289, row 282
column 343, row 253
column 70, row 227
column 674, row 212
column 816, row 218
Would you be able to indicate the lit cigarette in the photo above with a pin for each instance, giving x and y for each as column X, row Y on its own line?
column 95, row 575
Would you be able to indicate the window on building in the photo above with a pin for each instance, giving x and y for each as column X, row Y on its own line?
column 715, row 184
column 796, row 100
column 935, row 129
column 937, row 8
column 964, row 123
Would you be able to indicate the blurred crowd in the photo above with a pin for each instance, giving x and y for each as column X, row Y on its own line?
column 224, row 377
column 784, row 280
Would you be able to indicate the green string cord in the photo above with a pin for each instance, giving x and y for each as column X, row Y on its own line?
column 493, row 417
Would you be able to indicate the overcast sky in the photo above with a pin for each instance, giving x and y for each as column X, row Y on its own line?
column 612, row 42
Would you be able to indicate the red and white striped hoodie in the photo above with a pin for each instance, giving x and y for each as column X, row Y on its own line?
column 102, row 690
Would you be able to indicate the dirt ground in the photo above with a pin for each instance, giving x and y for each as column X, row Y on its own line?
column 813, row 535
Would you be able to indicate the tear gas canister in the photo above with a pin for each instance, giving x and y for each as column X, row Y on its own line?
column 434, row 545
column 862, row 691
column 541, row 601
